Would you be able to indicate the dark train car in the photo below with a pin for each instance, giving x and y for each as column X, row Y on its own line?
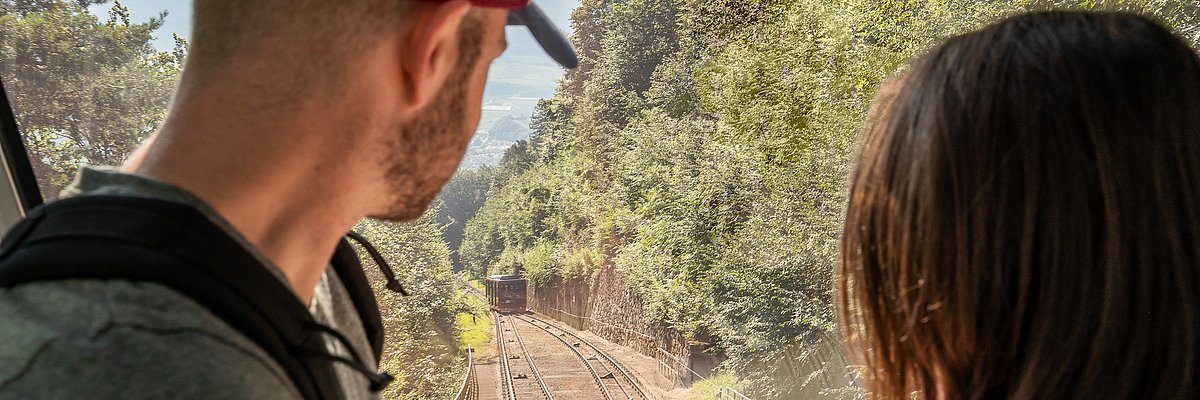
column 505, row 293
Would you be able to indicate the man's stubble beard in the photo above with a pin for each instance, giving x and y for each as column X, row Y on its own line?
column 431, row 146
column 418, row 159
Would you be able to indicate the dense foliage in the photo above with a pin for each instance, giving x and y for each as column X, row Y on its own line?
column 459, row 201
column 422, row 347
column 85, row 90
column 703, row 148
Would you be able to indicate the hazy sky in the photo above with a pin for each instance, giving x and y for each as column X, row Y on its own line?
column 179, row 16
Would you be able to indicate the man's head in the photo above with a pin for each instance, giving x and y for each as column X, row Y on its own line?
column 400, row 81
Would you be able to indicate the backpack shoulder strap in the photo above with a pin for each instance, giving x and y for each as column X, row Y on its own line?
column 350, row 271
column 112, row 237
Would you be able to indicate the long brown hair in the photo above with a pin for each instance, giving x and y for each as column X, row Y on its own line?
column 1025, row 223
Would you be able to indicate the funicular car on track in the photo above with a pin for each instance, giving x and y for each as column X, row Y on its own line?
column 506, row 293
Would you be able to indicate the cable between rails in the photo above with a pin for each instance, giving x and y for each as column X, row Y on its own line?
column 510, row 393
column 529, row 360
column 620, row 368
column 595, row 374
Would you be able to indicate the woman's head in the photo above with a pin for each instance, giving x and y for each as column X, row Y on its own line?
column 1025, row 220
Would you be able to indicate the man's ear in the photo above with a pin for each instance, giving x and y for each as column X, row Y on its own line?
column 430, row 49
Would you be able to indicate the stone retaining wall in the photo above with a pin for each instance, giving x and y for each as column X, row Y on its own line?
column 610, row 309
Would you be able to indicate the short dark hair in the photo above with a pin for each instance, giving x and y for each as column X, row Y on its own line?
column 1025, row 218
column 223, row 25
column 312, row 41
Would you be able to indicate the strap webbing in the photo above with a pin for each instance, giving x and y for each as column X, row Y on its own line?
column 350, row 272
column 110, row 237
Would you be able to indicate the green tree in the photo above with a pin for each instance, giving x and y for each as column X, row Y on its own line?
column 459, row 201
column 703, row 148
column 421, row 348
column 85, row 90
column 507, row 128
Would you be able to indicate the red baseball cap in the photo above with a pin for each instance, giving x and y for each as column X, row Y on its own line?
column 510, row 4
column 524, row 12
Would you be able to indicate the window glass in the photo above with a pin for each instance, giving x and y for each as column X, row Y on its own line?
column 681, row 193
column 87, row 81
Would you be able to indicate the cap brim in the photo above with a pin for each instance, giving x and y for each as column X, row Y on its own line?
column 546, row 34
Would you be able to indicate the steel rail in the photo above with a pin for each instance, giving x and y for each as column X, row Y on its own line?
column 595, row 374
column 474, row 290
column 529, row 360
column 624, row 372
column 510, row 393
column 612, row 373
column 600, row 353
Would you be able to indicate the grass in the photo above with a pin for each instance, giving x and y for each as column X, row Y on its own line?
column 476, row 329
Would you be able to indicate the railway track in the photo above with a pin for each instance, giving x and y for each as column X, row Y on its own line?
column 543, row 369
column 615, row 380
column 519, row 374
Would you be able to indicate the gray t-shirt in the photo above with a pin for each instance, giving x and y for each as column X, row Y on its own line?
column 76, row 339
